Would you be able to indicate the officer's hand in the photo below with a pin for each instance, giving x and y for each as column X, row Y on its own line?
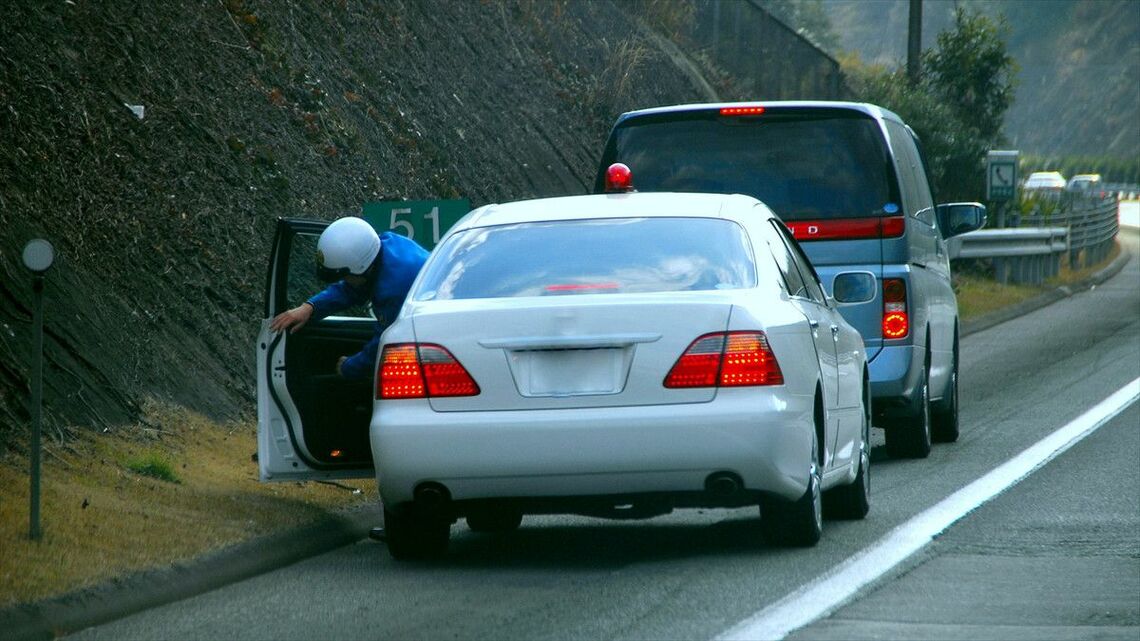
column 339, row 363
column 293, row 319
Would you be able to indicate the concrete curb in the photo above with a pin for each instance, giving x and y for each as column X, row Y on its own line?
column 987, row 321
column 121, row 597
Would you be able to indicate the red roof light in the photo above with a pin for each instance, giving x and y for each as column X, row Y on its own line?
column 619, row 178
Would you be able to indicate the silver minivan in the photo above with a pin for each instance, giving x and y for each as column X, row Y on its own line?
column 850, row 181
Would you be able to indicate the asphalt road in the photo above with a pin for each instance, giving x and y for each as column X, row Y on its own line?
column 1056, row 556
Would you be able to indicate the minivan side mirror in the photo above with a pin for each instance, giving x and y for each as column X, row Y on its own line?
column 955, row 219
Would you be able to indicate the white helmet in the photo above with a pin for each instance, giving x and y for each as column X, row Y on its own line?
column 347, row 246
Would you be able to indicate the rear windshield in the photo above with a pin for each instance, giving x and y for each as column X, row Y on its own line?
column 803, row 166
column 596, row 256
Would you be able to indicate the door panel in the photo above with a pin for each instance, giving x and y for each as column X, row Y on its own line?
column 312, row 424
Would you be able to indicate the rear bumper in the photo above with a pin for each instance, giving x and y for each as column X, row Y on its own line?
column 896, row 373
column 762, row 438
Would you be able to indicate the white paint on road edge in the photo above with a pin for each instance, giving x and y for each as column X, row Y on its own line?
column 827, row 593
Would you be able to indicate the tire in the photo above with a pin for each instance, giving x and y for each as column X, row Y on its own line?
column 853, row 501
column 911, row 438
column 945, row 427
column 414, row 536
column 799, row 523
column 494, row 520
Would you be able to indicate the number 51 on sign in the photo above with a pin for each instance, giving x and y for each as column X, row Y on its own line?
column 424, row 221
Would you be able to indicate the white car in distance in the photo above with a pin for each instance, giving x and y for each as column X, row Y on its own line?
column 616, row 355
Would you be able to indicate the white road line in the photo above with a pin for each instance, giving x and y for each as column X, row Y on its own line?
column 828, row 592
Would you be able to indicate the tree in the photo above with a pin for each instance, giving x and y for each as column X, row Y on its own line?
column 958, row 107
column 972, row 72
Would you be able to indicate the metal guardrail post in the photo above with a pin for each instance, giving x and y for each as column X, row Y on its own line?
column 1020, row 255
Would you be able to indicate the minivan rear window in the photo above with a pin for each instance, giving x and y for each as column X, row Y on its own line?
column 595, row 256
column 803, row 165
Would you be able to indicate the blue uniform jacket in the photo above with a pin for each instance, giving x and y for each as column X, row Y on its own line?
column 400, row 260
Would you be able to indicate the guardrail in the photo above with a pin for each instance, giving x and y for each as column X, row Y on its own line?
column 1092, row 223
column 1083, row 226
column 1019, row 255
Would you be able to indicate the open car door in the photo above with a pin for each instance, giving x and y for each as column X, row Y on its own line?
column 311, row 423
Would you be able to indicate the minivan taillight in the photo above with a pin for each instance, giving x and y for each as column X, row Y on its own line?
column 421, row 370
column 848, row 228
column 896, row 320
column 726, row 359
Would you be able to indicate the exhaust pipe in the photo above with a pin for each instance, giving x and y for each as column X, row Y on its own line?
column 432, row 498
column 723, row 484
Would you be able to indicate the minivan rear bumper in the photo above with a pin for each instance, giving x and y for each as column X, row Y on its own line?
column 896, row 373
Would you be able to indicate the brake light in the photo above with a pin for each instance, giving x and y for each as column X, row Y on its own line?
column 848, row 228
column 741, row 111
column 726, row 359
column 896, row 320
column 421, row 370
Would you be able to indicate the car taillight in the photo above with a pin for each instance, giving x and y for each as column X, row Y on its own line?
column 726, row 359
column 421, row 370
column 848, row 228
column 896, row 321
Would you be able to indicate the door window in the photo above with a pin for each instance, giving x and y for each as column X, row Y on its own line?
column 805, row 164
column 793, row 280
column 802, row 265
column 302, row 281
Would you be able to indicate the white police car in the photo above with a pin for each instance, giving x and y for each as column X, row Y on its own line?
column 615, row 355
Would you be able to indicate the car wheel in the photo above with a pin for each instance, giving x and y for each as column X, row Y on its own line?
column 415, row 536
column 911, row 438
column 799, row 523
column 945, row 428
column 494, row 520
column 854, row 501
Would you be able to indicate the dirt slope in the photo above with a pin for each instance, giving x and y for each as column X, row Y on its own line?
column 156, row 144
column 254, row 110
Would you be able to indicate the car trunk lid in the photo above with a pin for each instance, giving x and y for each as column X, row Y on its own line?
column 570, row 352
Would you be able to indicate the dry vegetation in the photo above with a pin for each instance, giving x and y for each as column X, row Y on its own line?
column 979, row 294
column 101, row 519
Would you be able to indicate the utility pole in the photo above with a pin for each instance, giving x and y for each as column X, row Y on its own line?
column 914, row 42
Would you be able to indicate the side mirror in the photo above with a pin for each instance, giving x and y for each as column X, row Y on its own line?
column 854, row 287
column 955, row 219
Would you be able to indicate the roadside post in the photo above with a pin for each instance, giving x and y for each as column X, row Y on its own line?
column 38, row 257
column 1001, row 192
column 1001, row 181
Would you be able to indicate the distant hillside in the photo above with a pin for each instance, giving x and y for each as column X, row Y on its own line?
column 1079, row 87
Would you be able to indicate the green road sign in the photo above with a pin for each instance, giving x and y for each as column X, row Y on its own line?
column 1001, row 175
column 424, row 221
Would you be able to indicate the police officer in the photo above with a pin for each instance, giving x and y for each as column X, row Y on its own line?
column 365, row 266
